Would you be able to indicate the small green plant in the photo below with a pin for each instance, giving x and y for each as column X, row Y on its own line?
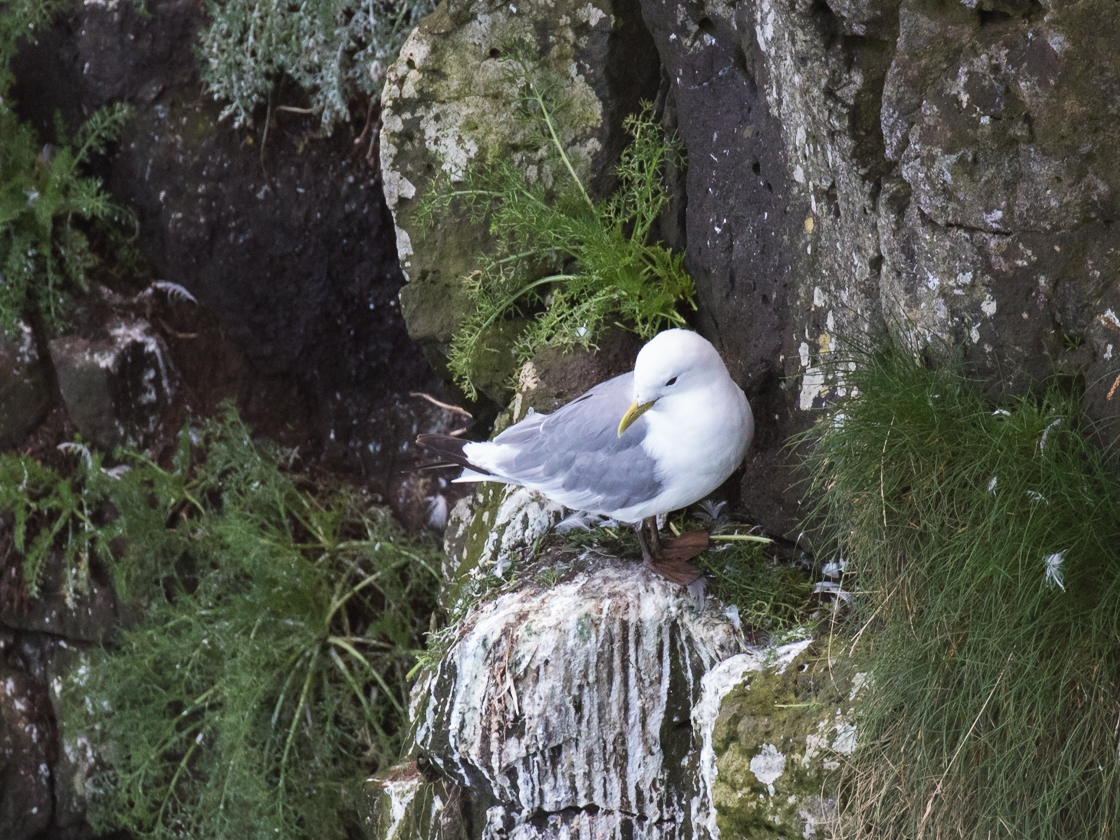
column 57, row 516
column 573, row 264
column 265, row 676
column 985, row 542
column 332, row 49
column 44, row 253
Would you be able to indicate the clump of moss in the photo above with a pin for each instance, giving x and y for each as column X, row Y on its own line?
column 985, row 542
column 266, row 674
column 332, row 49
column 573, row 265
column 44, row 200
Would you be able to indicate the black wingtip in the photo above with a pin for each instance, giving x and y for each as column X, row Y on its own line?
column 449, row 448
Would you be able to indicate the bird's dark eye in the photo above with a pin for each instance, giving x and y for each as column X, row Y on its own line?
column 671, row 382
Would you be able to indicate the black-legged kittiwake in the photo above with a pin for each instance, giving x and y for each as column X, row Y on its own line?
column 631, row 448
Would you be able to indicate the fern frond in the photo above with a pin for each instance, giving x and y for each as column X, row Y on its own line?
column 44, row 257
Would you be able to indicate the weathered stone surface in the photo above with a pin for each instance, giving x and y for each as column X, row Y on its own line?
column 777, row 727
column 24, row 391
column 779, row 116
column 488, row 534
column 118, row 386
column 26, row 800
column 403, row 804
column 565, row 709
column 449, row 100
column 995, row 235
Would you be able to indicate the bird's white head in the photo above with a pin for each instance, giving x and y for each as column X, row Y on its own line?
column 672, row 364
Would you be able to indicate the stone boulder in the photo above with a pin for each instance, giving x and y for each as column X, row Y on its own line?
column 564, row 709
column 24, row 390
column 117, row 385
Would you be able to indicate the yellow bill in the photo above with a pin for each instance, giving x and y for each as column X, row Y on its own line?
column 633, row 413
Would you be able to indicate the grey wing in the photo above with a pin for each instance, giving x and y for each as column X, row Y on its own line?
column 576, row 457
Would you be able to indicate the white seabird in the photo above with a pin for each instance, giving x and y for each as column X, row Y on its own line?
column 631, row 448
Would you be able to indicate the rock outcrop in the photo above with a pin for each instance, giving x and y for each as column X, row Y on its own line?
column 942, row 172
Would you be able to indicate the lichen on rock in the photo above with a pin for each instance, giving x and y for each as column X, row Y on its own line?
column 777, row 724
column 450, row 100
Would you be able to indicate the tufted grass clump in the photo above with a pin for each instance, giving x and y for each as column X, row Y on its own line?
column 771, row 597
column 985, row 545
column 562, row 267
column 264, row 675
column 332, row 49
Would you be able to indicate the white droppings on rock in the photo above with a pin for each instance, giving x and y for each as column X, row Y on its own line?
column 844, row 741
column 556, row 699
column 401, row 793
column 768, row 766
column 812, row 385
column 591, row 15
column 523, row 516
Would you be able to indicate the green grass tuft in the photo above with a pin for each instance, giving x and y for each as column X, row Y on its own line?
column 986, row 547
column 770, row 596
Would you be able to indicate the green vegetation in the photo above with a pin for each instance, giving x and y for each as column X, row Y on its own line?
column 264, row 675
column 986, row 547
column 770, row 596
column 57, row 517
column 574, row 265
column 332, row 49
column 44, row 252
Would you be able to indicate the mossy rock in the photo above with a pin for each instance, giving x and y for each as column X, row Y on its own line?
column 402, row 803
column 450, row 100
column 781, row 738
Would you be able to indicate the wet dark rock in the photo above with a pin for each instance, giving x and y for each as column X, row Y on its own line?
column 24, row 388
column 26, row 741
column 118, row 382
column 88, row 617
column 283, row 235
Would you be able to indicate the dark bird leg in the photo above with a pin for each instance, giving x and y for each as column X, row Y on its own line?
column 655, row 540
column 646, row 556
column 654, row 537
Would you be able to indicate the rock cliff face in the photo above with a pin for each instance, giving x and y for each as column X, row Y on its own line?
column 946, row 172
column 448, row 101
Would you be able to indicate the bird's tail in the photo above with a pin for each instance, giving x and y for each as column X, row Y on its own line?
column 450, row 449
